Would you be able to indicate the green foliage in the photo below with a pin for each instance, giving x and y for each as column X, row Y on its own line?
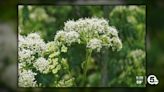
column 130, row 21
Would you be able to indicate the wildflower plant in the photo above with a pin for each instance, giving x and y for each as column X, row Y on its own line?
column 34, row 63
column 38, row 59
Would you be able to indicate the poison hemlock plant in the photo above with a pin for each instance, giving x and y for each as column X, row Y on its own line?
column 48, row 64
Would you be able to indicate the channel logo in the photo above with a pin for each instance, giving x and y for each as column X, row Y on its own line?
column 152, row 80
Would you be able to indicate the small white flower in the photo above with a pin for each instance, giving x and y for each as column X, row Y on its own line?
column 32, row 42
column 27, row 79
column 113, row 31
column 35, row 43
column 92, row 25
column 89, row 28
column 72, row 37
column 25, row 56
column 42, row 65
column 67, row 37
column 21, row 66
column 60, row 36
column 52, row 47
column 116, row 44
column 94, row 44
column 69, row 25
column 34, row 36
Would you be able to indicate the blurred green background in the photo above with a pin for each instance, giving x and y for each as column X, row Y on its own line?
column 154, row 46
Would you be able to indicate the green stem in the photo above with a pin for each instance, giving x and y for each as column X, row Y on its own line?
column 88, row 56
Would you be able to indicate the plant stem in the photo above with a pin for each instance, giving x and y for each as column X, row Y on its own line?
column 88, row 56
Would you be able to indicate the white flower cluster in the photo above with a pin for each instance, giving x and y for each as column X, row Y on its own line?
column 95, row 44
column 67, row 37
column 52, row 47
column 137, row 54
column 87, row 25
column 32, row 52
column 116, row 44
column 94, row 31
column 27, row 79
column 42, row 65
column 35, row 54
column 34, row 43
column 29, row 46
column 25, row 55
column 113, row 31
column 72, row 36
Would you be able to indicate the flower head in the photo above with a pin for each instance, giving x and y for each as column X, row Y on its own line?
column 67, row 37
column 27, row 79
column 25, row 55
column 72, row 37
column 42, row 65
column 32, row 42
column 94, row 44
column 116, row 44
column 93, row 31
column 94, row 25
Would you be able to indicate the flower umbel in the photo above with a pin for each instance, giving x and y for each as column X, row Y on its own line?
column 94, row 44
column 42, row 65
column 27, row 79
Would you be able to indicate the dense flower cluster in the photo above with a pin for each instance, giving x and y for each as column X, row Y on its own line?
column 67, row 37
column 27, row 79
column 90, row 29
column 95, row 44
column 36, row 57
column 29, row 47
column 42, row 65
column 26, row 55
column 87, row 25
column 32, row 61
column 32, row 42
